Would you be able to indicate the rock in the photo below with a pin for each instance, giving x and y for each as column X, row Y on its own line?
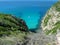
column 51, row 22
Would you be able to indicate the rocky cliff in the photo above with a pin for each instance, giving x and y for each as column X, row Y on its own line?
column 51, row 21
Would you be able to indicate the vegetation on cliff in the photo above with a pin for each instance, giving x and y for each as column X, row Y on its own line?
column 51, row 21
column 13, row 30
column 9, row 23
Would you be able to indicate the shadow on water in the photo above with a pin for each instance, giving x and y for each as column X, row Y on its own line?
column 33, row 30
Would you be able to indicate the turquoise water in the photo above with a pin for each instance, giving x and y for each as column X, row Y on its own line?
column 32, row 12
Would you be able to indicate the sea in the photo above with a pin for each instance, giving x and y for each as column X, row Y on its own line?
column 31, row 12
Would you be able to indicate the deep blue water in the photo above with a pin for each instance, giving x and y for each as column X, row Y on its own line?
column 30, row 11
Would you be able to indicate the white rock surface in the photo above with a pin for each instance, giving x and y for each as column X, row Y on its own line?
column 55, row 17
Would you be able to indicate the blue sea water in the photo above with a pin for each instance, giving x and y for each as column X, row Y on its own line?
column 30, row 11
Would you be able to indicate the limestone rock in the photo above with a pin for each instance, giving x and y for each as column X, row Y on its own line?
column 51, row 21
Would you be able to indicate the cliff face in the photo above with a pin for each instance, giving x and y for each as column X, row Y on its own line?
column 13, row 30
column 51, row 21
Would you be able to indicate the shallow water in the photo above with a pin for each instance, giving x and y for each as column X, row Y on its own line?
column 32, row 12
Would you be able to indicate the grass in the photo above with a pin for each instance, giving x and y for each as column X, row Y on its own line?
column 46, row 19
column 57, row 25
column 11, row 23
column 10, row 32
column 57, row 6
column 13, row 39
column 54, row 30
